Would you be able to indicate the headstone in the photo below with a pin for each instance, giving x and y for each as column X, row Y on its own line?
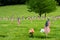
column 23, row 18
column 18, row 20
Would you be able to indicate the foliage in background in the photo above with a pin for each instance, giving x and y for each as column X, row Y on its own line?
column 9, row 2
column 41, row 6
column 58, row 1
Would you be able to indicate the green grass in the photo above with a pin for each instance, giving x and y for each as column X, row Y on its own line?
column 55, row 13
column 11, row 31
column 15, row 10
column 21, row 10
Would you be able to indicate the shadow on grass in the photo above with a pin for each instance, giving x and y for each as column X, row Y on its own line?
column 42, row 37
column 3, row 36
column 21, row 26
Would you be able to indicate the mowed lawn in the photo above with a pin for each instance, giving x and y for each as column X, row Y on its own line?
column 11, row 31
column 21, row 10
column 15, row 10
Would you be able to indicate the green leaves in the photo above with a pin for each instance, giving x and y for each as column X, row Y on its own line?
column 42, row 6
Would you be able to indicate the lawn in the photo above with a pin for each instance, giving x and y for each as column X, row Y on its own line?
column 11, row 31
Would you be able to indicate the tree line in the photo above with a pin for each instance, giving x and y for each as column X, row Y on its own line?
column 58, row 2
column 10, row 2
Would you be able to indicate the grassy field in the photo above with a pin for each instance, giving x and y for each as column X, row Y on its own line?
column 11, row 31
column 19, row 10
column 16, row 11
